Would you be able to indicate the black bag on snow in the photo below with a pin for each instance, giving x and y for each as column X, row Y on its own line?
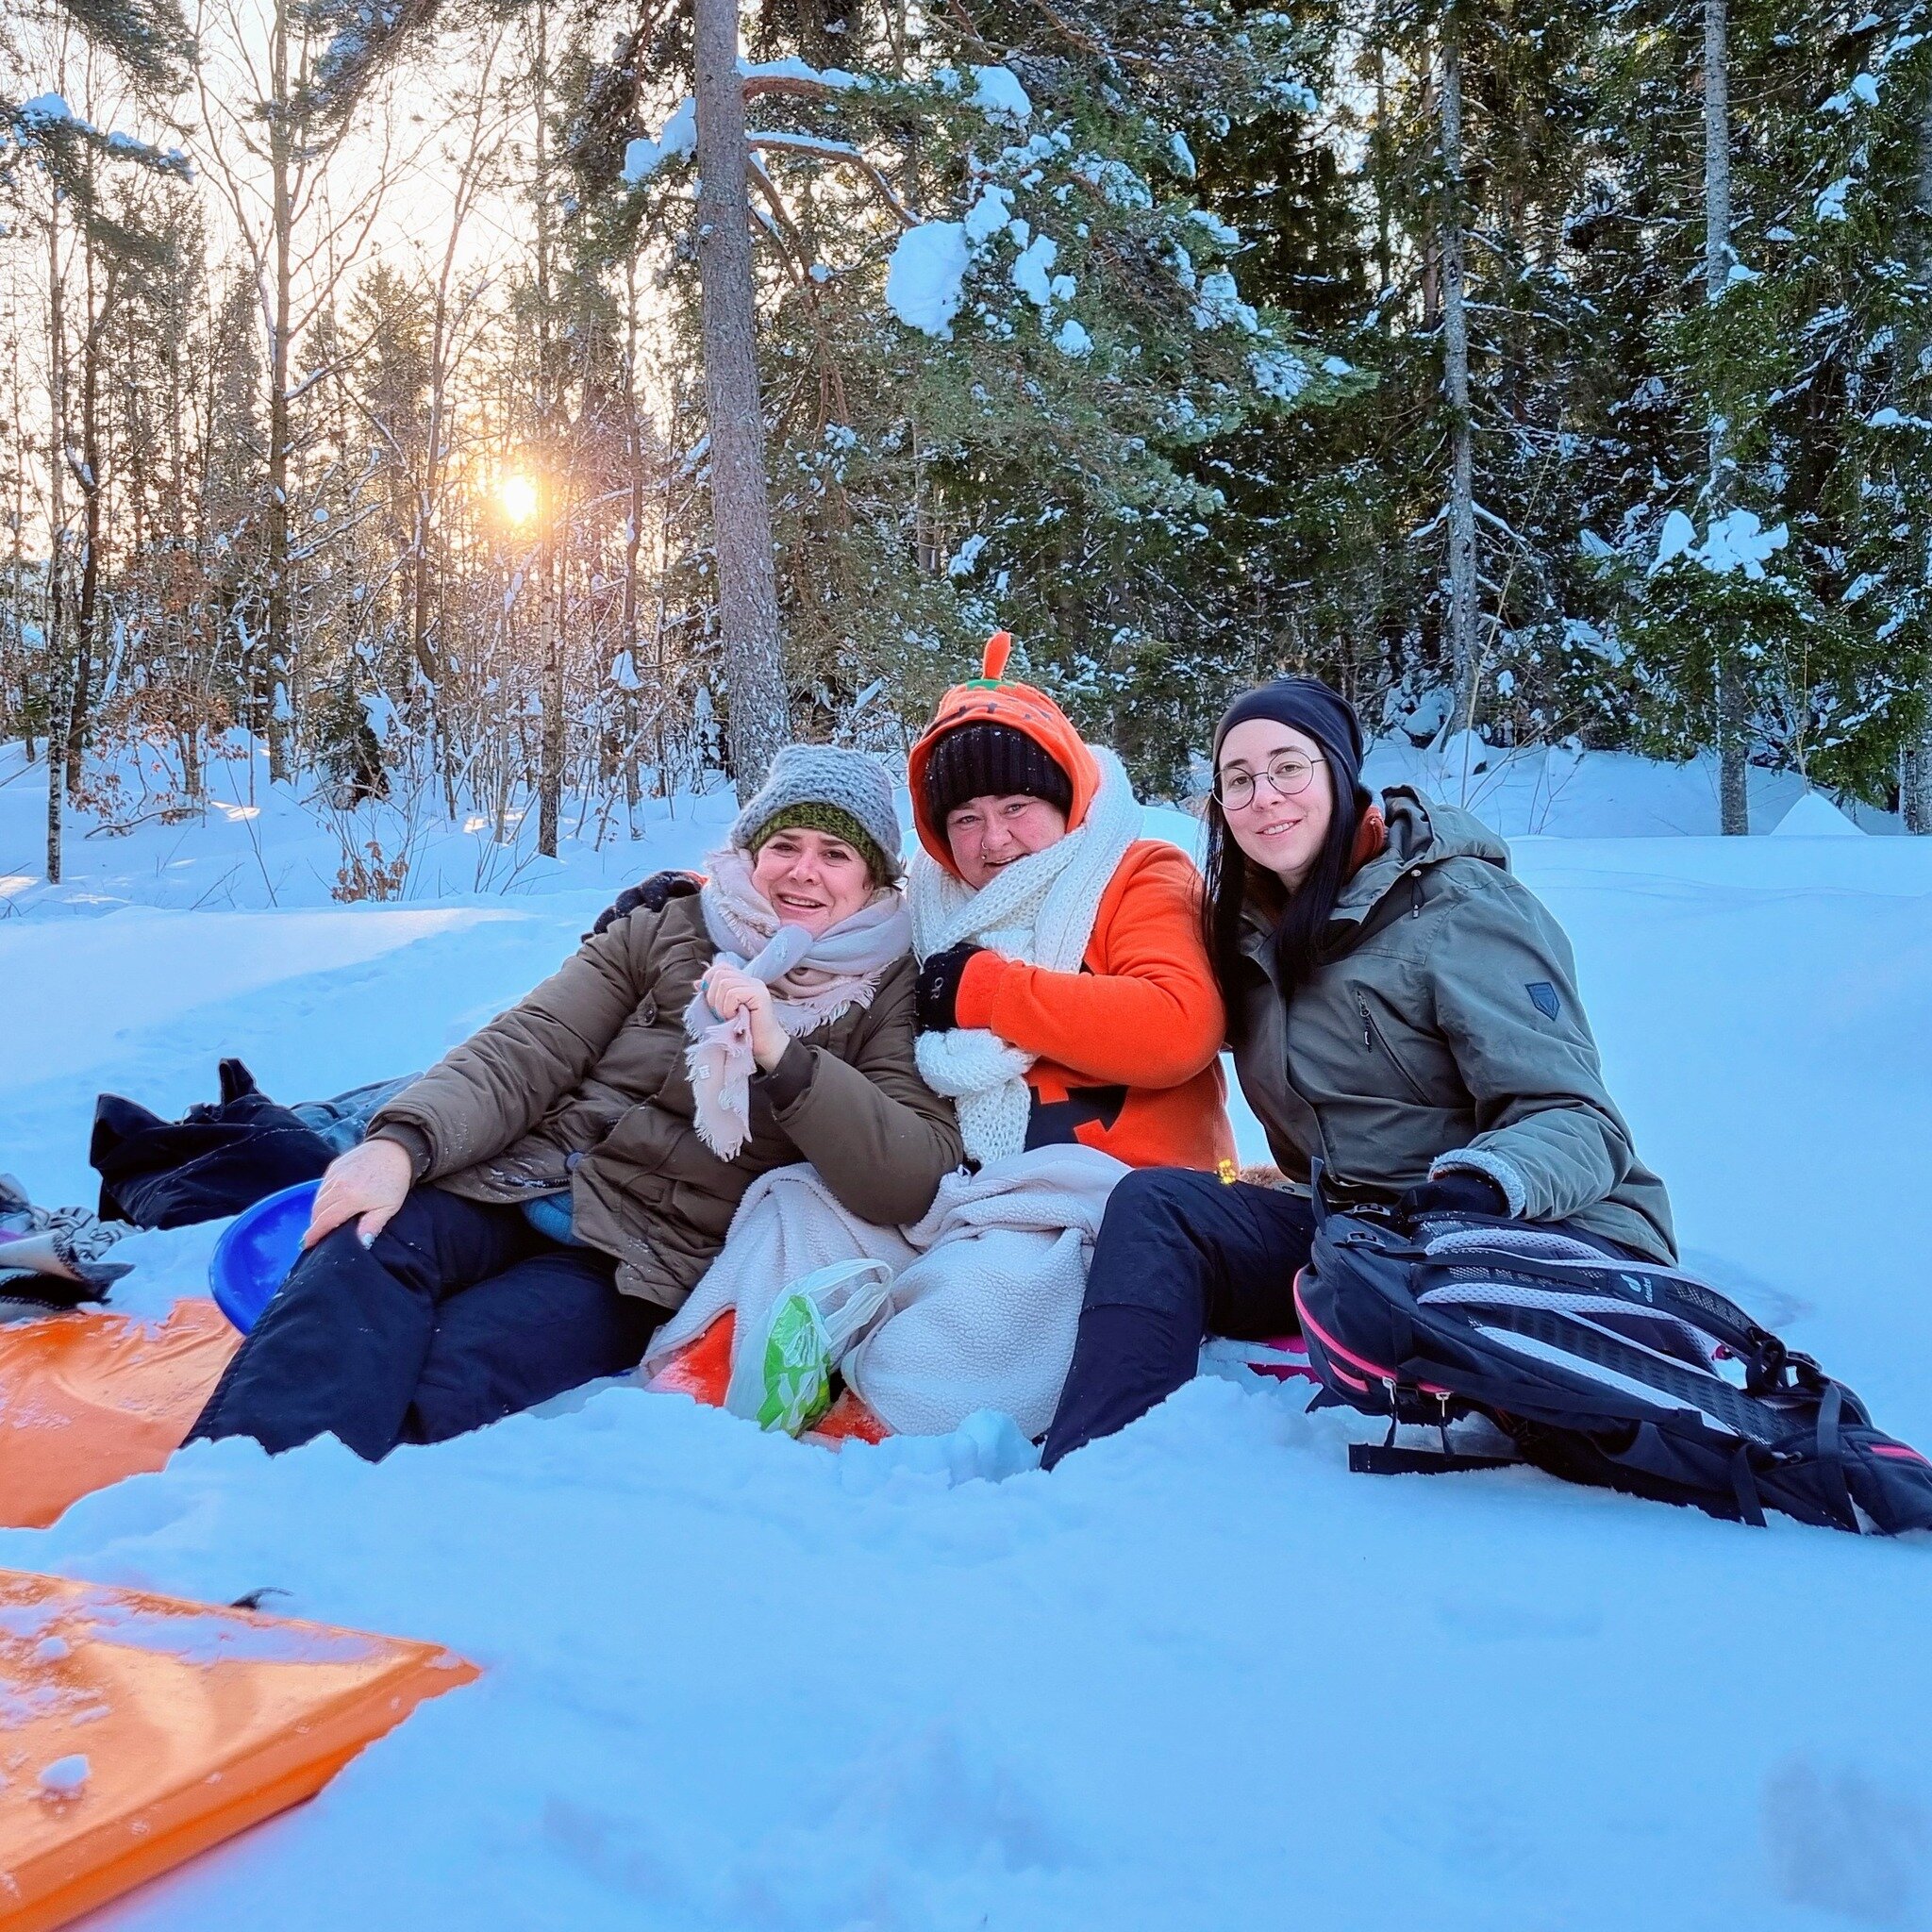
column 1618, row 1373
column 214, row 1161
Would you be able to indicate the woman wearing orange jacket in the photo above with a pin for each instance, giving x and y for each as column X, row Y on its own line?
column 1064, row 993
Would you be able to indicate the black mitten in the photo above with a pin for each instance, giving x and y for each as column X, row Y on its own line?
column 652, row 895
column 1461, row 1191
column 936, row 997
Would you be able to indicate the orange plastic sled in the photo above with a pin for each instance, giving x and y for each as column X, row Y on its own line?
column 88, row 1399
column 138, row 1730
column 702, row 1370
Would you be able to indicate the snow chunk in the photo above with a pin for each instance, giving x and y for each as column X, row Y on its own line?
column 792, row 68
column 642, row 159
column 1814, row 816
column 1739, row 542
column 1830, row 204
column 66, row 1777
column 43, row 110
column 1676, row 537
column 1114, row 180
column 1183, row 155
column 1864, row 89
column 1218, row 230
column 1735, row 542
column 1221, row 302
column 1279, row 373
column 966, row 557
column 924, row 285
column 1072, row 339
column 1031, row 271
column 989, row 214
column 998, row 95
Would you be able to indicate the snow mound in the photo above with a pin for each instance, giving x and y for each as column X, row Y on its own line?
column 925, row 281
column 642, row 159
column 1814, row 816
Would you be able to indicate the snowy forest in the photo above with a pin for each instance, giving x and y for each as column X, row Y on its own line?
column 392, row 385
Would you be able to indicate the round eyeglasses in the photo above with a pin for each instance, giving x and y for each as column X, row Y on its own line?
column 1289, row 772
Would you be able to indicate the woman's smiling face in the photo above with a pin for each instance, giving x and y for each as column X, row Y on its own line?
column 809, row 878
column 986, row 834
column 1281, row 832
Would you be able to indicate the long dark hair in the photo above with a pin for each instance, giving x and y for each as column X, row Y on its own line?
column 1301, row 917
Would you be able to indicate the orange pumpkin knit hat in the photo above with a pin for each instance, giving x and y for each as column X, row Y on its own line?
column 992, row 699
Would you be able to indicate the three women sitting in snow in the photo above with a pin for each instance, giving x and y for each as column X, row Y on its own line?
column 1401, row 1008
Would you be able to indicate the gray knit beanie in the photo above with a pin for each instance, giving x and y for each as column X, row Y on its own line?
column 852, row 782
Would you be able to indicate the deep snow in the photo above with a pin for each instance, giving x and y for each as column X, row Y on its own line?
column 1201, row 1677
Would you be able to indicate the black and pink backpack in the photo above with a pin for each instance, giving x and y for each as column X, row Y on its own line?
column 1617, row 1372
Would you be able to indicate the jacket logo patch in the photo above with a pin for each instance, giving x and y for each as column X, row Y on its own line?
column 1544, row 997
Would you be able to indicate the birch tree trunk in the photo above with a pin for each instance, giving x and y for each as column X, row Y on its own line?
column 1733, row 708
column 280, row 304
column 550, row 741
column 87, row 613
column 57, row 543
column 740, row 511
column 1462, row 558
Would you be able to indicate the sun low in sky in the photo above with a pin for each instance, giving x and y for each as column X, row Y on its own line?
column 518, row 497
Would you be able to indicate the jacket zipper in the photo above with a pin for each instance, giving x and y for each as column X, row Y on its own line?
column 1371, row 1038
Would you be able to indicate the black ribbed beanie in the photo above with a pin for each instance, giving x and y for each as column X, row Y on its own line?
column 990, row 761
column 1309, row 705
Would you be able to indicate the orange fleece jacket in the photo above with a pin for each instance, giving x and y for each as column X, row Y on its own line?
column 1143, row 1018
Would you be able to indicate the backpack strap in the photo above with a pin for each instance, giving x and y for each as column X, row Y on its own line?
column 1745, row 1486
column 1831, row 1455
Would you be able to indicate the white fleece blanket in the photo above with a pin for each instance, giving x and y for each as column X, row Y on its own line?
column 986, row 1298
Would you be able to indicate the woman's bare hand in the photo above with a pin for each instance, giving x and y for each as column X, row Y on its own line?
column 366, row 1185
column 728, row 993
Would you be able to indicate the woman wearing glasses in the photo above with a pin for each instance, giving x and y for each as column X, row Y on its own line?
column 1401, row 1008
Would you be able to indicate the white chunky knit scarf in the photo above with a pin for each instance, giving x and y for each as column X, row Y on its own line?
column 1040, row 910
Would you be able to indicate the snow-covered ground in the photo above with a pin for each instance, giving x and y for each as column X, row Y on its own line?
column 1200, row 1677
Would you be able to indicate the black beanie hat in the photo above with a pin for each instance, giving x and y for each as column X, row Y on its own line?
column 1309, row 705
column 990, row 761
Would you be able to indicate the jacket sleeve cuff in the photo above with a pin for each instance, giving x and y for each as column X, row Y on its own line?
column 412, row 1140
column 786, row 1084
column 979, row 986
column 1497, row 1167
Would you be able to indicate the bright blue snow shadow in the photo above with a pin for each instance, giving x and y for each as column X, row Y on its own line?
column 252, row 1260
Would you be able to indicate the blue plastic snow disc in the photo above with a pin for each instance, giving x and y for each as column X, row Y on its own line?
column 252, row 1260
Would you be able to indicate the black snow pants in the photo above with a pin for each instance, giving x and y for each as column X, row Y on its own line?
column 458, row 1315
column 1181, row 1256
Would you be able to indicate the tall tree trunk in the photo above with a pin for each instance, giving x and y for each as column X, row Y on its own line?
column 550, row 738
column 1733, row 704
column 1462, row 558
column 1916, row 800
column 740, row 511
column 56, row 545
column 88, row 613
column 281, row 143
column 550, row 744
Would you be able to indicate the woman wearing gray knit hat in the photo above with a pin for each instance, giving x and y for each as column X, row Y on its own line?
column 524, row 1216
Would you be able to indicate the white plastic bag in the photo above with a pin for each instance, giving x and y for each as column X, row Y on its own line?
column 781, row 1372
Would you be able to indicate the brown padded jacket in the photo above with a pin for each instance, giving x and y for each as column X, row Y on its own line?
column 582, row 1085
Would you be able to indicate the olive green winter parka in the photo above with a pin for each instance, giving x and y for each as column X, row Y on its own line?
column 1443, row 1028
column 582, row 1086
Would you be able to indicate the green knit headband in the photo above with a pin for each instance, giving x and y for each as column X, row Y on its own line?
column 814, row 817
